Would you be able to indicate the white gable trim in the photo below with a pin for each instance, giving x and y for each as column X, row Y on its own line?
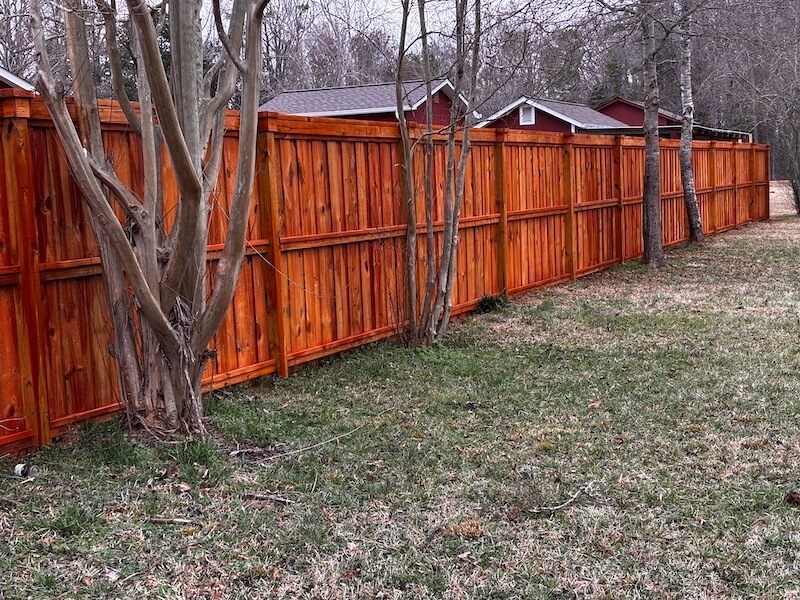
column 9, row 78
column 504, row 111
column 447, row 87
column 442, row 85
column 559, row 115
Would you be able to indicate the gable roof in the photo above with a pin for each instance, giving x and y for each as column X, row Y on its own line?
column 11, row 80
column 664, row 113
column 580, row 116
column 354, row 100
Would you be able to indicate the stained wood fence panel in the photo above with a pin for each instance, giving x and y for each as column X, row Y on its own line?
column 326, row 241
column 23, row 415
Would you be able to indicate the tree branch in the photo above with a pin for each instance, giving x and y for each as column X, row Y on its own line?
column 230, row 261
column 115, row 64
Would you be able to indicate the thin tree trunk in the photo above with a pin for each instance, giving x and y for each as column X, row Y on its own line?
column 430, row 239
column 651, row 208
column 465, row 149
column 409, row 189
column 687, row 125
column 156, row 280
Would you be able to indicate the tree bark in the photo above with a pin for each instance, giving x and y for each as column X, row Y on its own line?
column 430, row 237
column 430, row 324
column 155, row 279
column 466, row 51
column 687, row 125
column 409, row 189
column 653, row 254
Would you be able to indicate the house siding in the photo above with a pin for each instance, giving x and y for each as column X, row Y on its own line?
column 544, row 122
column 441, row 114
column 631, row 115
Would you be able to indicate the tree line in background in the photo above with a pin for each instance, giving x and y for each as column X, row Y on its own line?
column 745, row 72
column 188, row 60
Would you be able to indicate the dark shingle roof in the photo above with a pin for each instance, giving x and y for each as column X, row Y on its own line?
column 361, row 99
column 583, row 116
column 579, row 115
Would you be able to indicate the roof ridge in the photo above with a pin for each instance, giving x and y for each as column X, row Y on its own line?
column 351, row 87
column 563, row 102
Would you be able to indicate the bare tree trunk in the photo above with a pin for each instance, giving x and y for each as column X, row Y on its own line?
column 651, row 208
column 687, row 125
column 467, row 56
column 409, row 190
column 156, row 279
column 792, row 140
column 436, row 308
column 430, row 238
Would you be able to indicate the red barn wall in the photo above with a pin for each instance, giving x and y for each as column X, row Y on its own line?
column 631, row 115
column 441, row 113
column 387, row 117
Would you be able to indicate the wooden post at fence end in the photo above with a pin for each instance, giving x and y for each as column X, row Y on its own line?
column 501, row 205
column 752, row 206
column 768, row 173
column 617, row 180
column 268, row 198
column 735, row 167
column 712, row 167
column 568, row 182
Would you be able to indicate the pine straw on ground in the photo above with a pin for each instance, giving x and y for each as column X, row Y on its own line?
column 656, row 412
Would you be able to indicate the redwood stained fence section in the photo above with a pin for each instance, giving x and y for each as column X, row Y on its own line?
column 324, row 265
column 21, row 423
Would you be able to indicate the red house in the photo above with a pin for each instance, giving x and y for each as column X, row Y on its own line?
column 374, row 102
column 632, row 113
column 536, row 114
column 10, row 81
column 669, row 123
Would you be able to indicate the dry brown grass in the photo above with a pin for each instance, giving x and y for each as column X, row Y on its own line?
column 673, row 392
column 780, row 198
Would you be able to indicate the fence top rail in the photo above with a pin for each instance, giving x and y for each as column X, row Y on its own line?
column 19, row 103
column 24, row 104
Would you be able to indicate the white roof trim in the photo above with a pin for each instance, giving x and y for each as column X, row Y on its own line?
column 444, row 84
column 12, row 80
column 560, row 116
column 504, row 111
column 448, row 87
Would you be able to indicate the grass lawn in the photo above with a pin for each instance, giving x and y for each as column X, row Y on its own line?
column 657, row 413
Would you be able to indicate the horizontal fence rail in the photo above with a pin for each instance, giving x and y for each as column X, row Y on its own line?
column 326, row 241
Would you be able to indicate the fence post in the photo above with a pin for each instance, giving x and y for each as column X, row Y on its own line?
column 568, row 175
column 735, row 166
column 753, row 206
column 268, row 199
column 616, row 177
column 19, row 179
column 768, row 171
column 501, row 207
column 712, row 167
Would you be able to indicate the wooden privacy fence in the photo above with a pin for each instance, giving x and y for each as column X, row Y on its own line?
column 326, row 243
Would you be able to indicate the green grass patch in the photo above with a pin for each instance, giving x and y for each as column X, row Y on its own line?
column 632, row 434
